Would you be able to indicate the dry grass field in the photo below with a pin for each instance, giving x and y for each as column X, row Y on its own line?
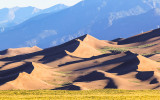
column 104, row 94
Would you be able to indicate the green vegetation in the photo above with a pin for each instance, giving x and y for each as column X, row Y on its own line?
column 135, row 81
column 113, row 50
column 67, row 72
column 106, row 94
column 147, row 54
column 141, row 46
column 124, row 49
column 150, row 54
column 158, row 69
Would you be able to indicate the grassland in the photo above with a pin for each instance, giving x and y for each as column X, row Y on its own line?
column 124, row 49
column 113, row 50
column 106, row 94
column 150, row 54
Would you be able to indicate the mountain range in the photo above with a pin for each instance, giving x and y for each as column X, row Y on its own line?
column 14, row 16
column 104, row 19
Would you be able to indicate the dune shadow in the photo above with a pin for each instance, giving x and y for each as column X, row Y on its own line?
column 58, row 53
column 127, row 67
column 19, row 58
column 12, row 74
column 143, row 76
column 154, row 81
column 3, row 52
column 85, row 59
column 7, row 64
column 149, row 55
column 69, row 87
column 111, row 84
column 93, row 76
column 52, row 57
column 127, row 59
column 97, row 76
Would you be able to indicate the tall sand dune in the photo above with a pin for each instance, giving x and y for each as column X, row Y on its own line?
column 18, row 51
column 92, row 41
column 84, row 50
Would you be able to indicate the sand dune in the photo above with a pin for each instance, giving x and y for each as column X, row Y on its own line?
column 147, row 64
column 93, row 42
column 102, row 80
column 124, row 73
column 155, row 57
column 18, row 51
column 84, row 51
column 28, row 76
column 79, row 65
column 26, row 82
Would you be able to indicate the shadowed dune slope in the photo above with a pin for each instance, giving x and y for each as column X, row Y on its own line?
column 143, row 37
column 84, row 51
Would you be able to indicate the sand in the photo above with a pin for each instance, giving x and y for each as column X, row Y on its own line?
column 79, row 65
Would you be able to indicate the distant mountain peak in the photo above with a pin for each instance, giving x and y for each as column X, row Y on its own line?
column 104, row 19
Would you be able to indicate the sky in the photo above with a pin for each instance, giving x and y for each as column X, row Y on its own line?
column 42, row 4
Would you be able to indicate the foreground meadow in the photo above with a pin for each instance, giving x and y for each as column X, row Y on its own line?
column 110, row 94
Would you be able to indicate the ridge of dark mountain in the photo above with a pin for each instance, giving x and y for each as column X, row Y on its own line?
column 141, row 37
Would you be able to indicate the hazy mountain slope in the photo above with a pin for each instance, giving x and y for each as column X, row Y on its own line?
column 16, row 15
column 13, row 16
column 132, row 25
column 55, row 8
column 88, row 16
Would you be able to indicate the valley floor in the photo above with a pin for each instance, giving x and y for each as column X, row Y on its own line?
column 105, row 94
